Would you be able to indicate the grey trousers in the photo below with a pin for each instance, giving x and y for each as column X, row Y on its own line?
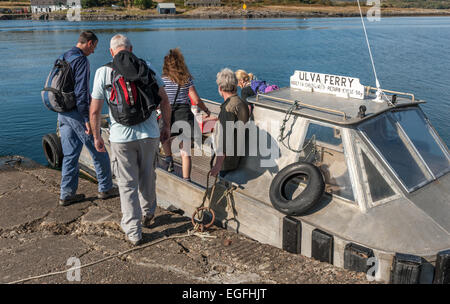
column 133, row 164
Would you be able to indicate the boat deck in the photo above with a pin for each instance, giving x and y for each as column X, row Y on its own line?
column 200, row 167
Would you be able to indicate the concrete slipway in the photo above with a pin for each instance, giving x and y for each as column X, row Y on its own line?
column 37, row 237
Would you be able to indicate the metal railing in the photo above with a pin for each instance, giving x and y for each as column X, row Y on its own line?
column 369, row 88
column 211, row 101
column 304, row 105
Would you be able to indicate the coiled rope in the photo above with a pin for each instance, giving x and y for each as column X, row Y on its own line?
column 206, row 204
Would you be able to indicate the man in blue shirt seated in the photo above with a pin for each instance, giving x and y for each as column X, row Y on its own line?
column 75, row 130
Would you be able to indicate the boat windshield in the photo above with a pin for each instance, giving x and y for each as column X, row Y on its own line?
column 409, row 145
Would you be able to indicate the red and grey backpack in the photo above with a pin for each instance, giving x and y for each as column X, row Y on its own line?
column 132, row 102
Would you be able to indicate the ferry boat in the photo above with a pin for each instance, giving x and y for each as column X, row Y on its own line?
column 349, row 174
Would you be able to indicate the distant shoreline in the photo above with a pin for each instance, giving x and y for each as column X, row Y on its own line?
column 108, row 14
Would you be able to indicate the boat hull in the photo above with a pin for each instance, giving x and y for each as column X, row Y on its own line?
column 330, row 231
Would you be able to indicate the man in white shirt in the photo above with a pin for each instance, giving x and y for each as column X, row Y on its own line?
column 134, row 147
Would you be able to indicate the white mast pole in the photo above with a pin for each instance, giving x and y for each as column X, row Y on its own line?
column 379, row 92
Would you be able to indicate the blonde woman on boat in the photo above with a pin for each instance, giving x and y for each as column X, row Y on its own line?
column 244, row 82
column 181, row 91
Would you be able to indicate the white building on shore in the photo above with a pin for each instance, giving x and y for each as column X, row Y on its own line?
column 166, row 8
column 47, row 6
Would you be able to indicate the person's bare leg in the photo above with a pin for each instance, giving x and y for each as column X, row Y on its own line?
column 185, row 162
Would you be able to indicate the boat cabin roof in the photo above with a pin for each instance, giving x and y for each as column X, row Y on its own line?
column 331, row 108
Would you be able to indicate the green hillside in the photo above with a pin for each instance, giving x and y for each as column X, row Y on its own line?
column 433, row 4
column 436, row 4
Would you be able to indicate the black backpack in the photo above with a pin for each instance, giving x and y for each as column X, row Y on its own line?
column 58, row 93
column 132, row 102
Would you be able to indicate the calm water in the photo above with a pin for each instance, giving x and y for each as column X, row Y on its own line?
column 411, row 54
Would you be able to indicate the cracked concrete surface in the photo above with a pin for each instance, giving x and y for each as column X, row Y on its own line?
column 37, row 236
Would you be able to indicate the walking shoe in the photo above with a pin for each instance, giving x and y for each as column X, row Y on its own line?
column 170, row 168
column 146, row 221
column 113, row 192
column 135, row 242
column 71, row 199
column 169, row 161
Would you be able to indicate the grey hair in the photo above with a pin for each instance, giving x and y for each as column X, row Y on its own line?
column 118, row 41
column 227, row 81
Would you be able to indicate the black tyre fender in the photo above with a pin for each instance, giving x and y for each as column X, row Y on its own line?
column 310, row 196
column 51, row 144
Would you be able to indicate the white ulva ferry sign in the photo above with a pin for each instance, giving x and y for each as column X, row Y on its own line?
column 341, row 86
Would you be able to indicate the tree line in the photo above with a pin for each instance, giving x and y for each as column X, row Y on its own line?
column 144, row 4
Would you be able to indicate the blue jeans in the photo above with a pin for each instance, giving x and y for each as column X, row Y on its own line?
column 73, row 137
column 222, row 173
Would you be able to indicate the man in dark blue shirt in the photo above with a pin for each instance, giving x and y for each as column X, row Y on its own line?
column 75, row 130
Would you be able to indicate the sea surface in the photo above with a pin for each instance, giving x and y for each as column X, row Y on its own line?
column 411, row 55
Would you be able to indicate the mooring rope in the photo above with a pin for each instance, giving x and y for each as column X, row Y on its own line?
column 199, row 210
column 228, row 193
column 189, row 234
column 282, row 137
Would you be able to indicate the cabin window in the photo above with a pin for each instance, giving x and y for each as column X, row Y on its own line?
column 424, row 140
column 323, row 147
column 376, row 184
column 394, row 147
